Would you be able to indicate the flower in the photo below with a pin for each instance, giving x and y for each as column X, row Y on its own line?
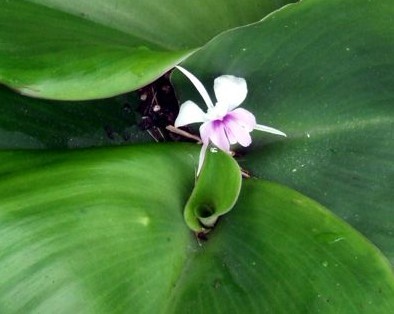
column 223, row 124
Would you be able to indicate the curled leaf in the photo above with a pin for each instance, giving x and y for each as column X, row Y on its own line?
column 216, row 191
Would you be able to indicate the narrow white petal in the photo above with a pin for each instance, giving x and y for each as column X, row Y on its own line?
column 201, row 157
column 230, row 90
column 189, row 113
column 196, row 82
column 268, row 129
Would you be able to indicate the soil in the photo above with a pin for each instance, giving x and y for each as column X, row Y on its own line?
column 159, row 108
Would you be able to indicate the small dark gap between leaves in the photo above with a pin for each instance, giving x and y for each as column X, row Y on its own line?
column 159, row 108
column 202, row 236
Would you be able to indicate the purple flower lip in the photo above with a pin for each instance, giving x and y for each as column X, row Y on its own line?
column 224, row 124
column 234, row 127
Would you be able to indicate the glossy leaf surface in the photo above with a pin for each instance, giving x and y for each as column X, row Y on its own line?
column 102, row 231
column 321, row 71
column 73, row 50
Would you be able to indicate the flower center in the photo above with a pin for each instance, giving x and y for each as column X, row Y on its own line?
column 218, row 112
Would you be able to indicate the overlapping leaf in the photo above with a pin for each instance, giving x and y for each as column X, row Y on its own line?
column 321, row 71
column 102, row 231
column 94, row 49
column 28, row 123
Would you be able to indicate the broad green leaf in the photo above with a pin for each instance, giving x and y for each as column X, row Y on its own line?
column 73, row 50
column 279, row 252
column 102, row 231
column 322, row 72
column 216, row 191
column 29, row 123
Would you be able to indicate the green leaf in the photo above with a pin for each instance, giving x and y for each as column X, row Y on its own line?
column 29, row 123
column 216, row 191
column 321, row 71
column 102, row 231
column 280, row 252
column 75, row 50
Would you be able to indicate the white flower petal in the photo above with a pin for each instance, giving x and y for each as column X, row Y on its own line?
column 268, row 129
column 196, row 82
column 201, row 157
column 189, row 113
column 230, row 90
